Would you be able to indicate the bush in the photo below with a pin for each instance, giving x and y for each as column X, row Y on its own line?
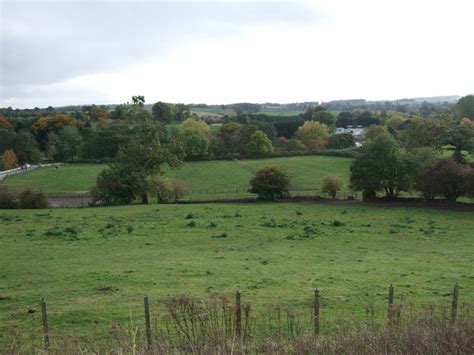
column 331, row 185
column 167, row 191
column 446, row 178
column 270, row 183
column 8, row 198
column 32, row 199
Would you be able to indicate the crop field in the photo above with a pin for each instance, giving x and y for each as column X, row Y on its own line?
column 94, row 265
column 199, row 177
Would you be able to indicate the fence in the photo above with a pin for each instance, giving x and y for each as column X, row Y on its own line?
column 234, row 323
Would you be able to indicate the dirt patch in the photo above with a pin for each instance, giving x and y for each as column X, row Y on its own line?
column 70, row 201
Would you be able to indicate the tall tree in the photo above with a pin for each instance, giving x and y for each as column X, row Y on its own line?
column 164, row 112
column 314, row 135
column 383, row 166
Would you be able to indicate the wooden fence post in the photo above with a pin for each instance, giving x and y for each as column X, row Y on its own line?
column 316, row 304
column 147, row 322
column 454, row 306
column 44, row 317
column 238, row 315
column 390, row 302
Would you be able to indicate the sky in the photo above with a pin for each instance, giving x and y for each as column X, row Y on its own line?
column 103, row 52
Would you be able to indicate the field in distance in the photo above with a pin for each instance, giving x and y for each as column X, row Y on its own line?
column 94, row 265
column 199, row 177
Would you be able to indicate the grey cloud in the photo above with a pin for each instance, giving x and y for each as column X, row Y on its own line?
column 49, row 42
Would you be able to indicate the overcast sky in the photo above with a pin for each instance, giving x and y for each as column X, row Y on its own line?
column 83, row 52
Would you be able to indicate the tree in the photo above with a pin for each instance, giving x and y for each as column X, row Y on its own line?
column 259, row 145
column 136, row 161
column 198, row 124
column 461, row 138
column 373, row 131
column 325, row 117
column 164, row 112
column 270, row 183
column 331, row 185
column 51, row 124
column 341, row 141
column 447, row 178
column 383, row 165
column 425, row 132
column 228, row 140
column 9, row 160
column 195, row 142
column 465, row 107
column 69, row 141
column 4, row 123
column 97, row 113
column 314, row 135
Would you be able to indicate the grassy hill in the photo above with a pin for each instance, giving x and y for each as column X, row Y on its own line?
column 94, row 265
column 199, row 177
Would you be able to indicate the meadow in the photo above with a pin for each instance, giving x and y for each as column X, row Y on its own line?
column 200, row 178
column 93, row 265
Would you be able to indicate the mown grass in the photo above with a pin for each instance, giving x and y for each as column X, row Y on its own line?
column 197, row 176
column 67, row 178
column 94, row 265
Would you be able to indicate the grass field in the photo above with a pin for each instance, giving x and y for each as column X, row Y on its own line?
column 94, row 265
column 197, row 176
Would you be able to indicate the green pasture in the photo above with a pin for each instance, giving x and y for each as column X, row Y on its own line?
column 94, row 265
column 199, row 177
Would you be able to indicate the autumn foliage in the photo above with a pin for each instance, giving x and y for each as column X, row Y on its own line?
column 9, row 159
column 4, row 123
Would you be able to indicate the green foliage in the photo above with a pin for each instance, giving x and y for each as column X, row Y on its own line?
column 259, row 145
column 136, row 161
column 228, row 141
column 68, row 144
column 115, row 186
column 195, row 142
column 324, row 117
column 374, row 131
column 420, row 132
column 383, row 165
column 341, row 141
column 164, row 112
column 331, row 185
column 465, row 107
column 270, row 183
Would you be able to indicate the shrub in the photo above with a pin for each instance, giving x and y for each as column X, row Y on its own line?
column 331, row 185
column 446, row 178
column 270, row 183
column 167, row 191
column 32, row 199
column 8, row 198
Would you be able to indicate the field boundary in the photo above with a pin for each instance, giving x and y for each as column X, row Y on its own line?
column 189, row 321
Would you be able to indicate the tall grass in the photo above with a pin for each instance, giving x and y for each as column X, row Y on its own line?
column 209, row 327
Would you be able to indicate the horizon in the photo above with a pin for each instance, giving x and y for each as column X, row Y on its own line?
column 209, row 52
column 418, row 99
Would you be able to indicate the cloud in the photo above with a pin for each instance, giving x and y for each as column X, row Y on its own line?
column 58, row 53
column 50, row 42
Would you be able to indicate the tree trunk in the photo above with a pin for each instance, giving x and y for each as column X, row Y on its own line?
column 145, row 198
